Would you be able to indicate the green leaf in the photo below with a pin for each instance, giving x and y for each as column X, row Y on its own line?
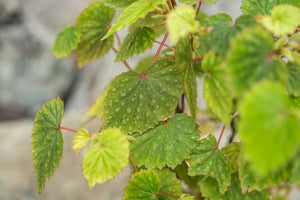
column 254, row 7
column 222, row 30
column 295, row 102
column 142, row 186
column 206, row 160
column 232, row 152
column 132, row 13
column 81, row 139
column 189, row 2
column 216, row 90
column 169, row 143
column 182, row 172
column 93, row 23
column 137, row 102
column 251, row 59
column 106, row 157
column 120, row 5
column 296, row 172
column 293, row 80
column 186, row 197
column 136, row 42
column 283, row 20
column 181, row 22
column 183, row 56
column 66, row 41
column 277, row 128
column 144, row 64
column 47, row 141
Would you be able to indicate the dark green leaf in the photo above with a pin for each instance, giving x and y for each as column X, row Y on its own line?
column 293, row 81
column 47, row 141
column 182, row 172
column 232, row 151
column 119, row 4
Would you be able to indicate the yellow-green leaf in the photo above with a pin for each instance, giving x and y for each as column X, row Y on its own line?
column 81, row 139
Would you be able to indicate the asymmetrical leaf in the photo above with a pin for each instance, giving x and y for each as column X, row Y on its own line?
column 169, row 143
column 277, row 128
column 181, row 22
column 137, row 102
column 283, row 20
column 293, row 80
column 66, row 41
column 81, row 139
column 132, row 13
column 106, row 157
column 47, row 141
column 296, row 172
column 183, row 56
column 251, row 59
column 216, row 89
column 93, row 23
column 232, row 152
column 206, row 160
column 119, row 4
column 136, row 42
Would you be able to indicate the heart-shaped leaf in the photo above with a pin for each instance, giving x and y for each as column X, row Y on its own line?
column 81, row 139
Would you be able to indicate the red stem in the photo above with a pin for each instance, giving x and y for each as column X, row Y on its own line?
column 169, row 4
column 165, row 45
column 196, row 59
column 158, row 25
column 65, row 128
column 220, row 137
column 160, row 47
column 165, row 194
column 198, row 8
column 118, row 39
column 135, row 169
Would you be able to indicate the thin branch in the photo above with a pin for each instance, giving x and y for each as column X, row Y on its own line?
column 165, row 194
column 196, row 59
column 169, row 5
column 165, row 45
column 173, row 3
column 220, row 137
column 124, row 61
column 68, row 129
column 160, row 47
column 158, row 26
column 198, row 8
column 135, row 169
column 118, row 39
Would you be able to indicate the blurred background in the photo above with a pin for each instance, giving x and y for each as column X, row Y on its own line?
column 30, row 75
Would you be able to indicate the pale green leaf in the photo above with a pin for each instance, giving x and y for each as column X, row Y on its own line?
column 207, row 160
column 92, row 24
column 232, row 151
column 284, row 20
column 296, row 172
column 136, row 42
column 192, row 2
column 137, row 102
column 144, row 64
column 66, row 41
column 293, row 81
column 251, row 60
column 216, row 87
column 210, row 1
column 119, row 4
column 132, row 13
column 183, row 56
column 181, row 22
column 106, row 157
column 81, row 139
column 265, row 114
column 169, row 143
column 47, row 141
column 186, row 197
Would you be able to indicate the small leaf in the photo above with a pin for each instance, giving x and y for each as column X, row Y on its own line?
column 277, row 128
column 119, row 4
column 137, row 102
column 186, row 197
column 66, row 41
column 192, row 2
column 136, row 42
column 47, row 141
column 93, row 23
column 144, row 64
column 132, row 13
column 216, row 89
column 181, row 22
column 81, row 139
column 106, row 157
column 293, row 80
column 169, row 143
column 232, row 152
column 283, row 20
column 206, row 160
column 182, row 173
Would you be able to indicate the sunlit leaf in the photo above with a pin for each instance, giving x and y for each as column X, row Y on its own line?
column 119, row 4
column 186, row 197
column 81, row 139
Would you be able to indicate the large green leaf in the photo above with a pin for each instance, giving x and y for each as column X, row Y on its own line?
column 254, row 7
column 181, row 22
column 183, row 56
column 119, row 4
column 169, row 143
column 251, row 59
column 92, row 24
column 232, row 151
column 284, row 20
column 137, row 102
column 106, row 157
column 209, row 188
column 81, row 139
column 216, row 87
column 268, row 128
column 66, row 41
column 136, row 42
column 132, row 13
column 293, row 81
column 47, row 141
column 207, row 160
column 222, row 30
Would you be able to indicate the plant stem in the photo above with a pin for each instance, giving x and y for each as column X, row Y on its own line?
column 165, row 194
column 158, row 25
column 160, row 47
column 165, row 45
column 198, row 8
column 196, row 59
column 118, row 39
column 173, row 3
column 220, row 137
column 135, row 169
column 68, row 129
column 124, row 61
column 169, row 4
